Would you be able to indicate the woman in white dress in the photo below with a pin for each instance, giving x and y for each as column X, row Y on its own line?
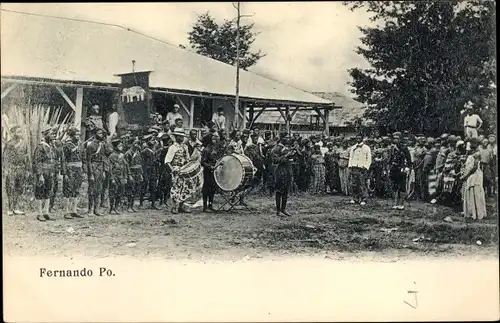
column 474, row 200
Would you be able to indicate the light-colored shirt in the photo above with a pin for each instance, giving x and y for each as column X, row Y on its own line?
column 472, row 121
column 219, row 121
column 360, row 156
column 260, row 141
column 172, row 116
column 486, row 155
column 172, row 150
column 113, row 122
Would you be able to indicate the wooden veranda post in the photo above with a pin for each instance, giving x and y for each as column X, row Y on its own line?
column 327, row 121
column 287, row 119
column 79, row 107
column 251, row 113
column 244, row 116
column 191, row 115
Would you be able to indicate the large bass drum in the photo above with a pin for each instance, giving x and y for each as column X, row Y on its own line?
column 234, row 172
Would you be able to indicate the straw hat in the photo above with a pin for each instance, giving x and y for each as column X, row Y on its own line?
column 179, row 132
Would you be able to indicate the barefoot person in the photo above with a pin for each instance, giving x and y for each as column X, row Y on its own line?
column 177, row 157
column 95, row 158
column 72, row 172
column 14, row 167
column 119, row 174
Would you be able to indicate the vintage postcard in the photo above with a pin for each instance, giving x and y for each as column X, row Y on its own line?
column 247, row 161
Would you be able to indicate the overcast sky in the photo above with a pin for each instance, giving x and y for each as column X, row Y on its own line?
column 308, row 45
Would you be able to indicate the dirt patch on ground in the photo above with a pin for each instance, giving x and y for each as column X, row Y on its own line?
column 326, row 224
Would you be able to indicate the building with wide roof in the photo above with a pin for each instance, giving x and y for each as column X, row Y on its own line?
column 80, row 59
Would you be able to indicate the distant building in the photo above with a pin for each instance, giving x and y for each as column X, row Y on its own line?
column 309, row 122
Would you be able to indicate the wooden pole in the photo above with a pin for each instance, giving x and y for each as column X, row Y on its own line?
column 256, row 116
column 327, row 122
column 66, row 98
column 79, row 107
column 287, row 119
column 251, row 116
column 191, row 115
column 244, row 116
column 237, row 96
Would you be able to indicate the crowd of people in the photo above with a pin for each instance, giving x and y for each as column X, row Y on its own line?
column 125, row 167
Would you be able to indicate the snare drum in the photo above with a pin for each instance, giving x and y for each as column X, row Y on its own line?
column 190, row 170
column 234, row 172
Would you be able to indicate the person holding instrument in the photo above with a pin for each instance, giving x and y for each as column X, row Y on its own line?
column 178, row 156
column 282, row 156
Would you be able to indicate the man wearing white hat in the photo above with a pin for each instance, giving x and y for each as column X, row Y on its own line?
column 178, row 156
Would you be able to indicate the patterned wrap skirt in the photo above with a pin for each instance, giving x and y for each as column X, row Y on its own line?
column 184, row 188
column 317, row 184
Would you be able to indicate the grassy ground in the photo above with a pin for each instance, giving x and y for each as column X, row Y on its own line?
column 319, row 225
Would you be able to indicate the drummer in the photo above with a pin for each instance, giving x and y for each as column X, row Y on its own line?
column 178, row 156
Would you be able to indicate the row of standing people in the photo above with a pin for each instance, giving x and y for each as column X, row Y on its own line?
column 127, row 167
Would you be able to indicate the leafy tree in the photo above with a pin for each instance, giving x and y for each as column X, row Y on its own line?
column 427, row 59
column 218, row 41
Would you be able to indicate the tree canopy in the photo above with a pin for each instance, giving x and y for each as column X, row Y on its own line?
column 218, row 41
column 428, row 58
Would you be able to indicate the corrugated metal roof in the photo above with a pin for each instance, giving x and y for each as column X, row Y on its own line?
column 68, row 50
column 351, row 110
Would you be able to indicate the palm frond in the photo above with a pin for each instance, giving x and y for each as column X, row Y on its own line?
column 32, row 119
